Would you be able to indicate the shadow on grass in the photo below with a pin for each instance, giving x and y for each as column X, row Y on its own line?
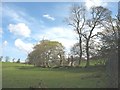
column 80, row 69
column 64, row 69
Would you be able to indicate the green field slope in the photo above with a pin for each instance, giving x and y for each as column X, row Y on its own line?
column 24, row 76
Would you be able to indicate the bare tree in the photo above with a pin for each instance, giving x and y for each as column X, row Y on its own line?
column 75, row 49
column 77, row 21
column 97, row 15
column 111, row 27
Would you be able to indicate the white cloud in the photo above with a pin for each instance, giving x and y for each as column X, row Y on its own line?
column 66, row 36
column 48, row 17
column 26, row 47
column 5, row 43
column 92, row 3
column 20, row 29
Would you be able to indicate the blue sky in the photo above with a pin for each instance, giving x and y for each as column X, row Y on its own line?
column 26, row 23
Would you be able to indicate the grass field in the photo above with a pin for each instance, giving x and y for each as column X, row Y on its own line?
column 23, row 76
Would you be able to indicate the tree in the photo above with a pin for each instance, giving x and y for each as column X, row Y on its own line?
column 7, row 58
column 47, row 51
column 77, row 21
column 75, row 51
column 110, row 36
column 1, row 57
column 98, row 15
column 109, row 49
column 111, row 29
column 18, row 61
column 13, row 60
column 72, row 60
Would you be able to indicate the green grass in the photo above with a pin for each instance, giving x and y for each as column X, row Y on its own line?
column 23, row 76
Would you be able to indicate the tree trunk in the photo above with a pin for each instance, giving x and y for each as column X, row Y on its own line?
column 61, row 60
column 47, row 64
column 68, row 61
column 80, row 45
column 87, row 53
column 71, row 60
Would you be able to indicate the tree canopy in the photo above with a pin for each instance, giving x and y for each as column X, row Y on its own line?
column 45, row 52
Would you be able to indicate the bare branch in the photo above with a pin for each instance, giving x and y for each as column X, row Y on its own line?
column 94, row 35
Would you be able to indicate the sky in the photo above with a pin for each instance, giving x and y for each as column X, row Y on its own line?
column 24, row 24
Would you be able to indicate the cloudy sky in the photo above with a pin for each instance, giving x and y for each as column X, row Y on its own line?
column 24, row 24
